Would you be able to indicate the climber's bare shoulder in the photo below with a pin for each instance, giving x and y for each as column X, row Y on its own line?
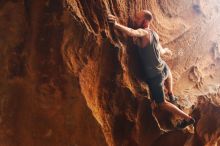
column 144, row 37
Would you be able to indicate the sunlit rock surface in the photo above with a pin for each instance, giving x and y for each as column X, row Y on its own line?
column 69, row 79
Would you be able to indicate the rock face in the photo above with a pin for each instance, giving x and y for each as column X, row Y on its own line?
column 67, row 78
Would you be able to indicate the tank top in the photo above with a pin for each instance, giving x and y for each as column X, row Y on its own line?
column 150, row 58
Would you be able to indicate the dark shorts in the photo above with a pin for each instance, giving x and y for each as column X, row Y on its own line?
column 156, row 85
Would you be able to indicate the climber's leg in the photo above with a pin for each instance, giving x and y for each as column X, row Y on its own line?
column 169, row 84
column 157, row 95
column 158, row 100
column 187, row 120
column 173, row 109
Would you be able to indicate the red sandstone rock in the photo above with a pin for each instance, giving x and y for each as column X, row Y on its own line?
column 67, row 79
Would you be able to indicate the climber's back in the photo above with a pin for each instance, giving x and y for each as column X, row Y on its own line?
column 150, row 55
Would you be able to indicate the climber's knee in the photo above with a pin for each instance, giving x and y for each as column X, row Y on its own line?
column 163, row 105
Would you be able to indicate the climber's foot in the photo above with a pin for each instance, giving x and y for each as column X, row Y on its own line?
column 172, row 98
column 184, row 123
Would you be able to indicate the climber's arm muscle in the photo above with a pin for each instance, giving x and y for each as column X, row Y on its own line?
column 131, row 32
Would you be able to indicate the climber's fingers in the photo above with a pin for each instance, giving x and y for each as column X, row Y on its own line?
column 112, row 16
column 112, row 19
column 168, row 51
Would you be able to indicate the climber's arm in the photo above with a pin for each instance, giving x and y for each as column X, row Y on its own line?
column 162, row 51
column 129, row 31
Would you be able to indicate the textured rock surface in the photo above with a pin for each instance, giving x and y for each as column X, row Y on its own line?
column 67, row 80
column 41, row 102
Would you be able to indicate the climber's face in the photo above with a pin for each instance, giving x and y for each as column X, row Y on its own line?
column 140, row 20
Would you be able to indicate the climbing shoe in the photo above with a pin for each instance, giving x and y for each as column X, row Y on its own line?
column 172, row 99
column 184, row 123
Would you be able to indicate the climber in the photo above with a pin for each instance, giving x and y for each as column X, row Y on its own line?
column 157, row 72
